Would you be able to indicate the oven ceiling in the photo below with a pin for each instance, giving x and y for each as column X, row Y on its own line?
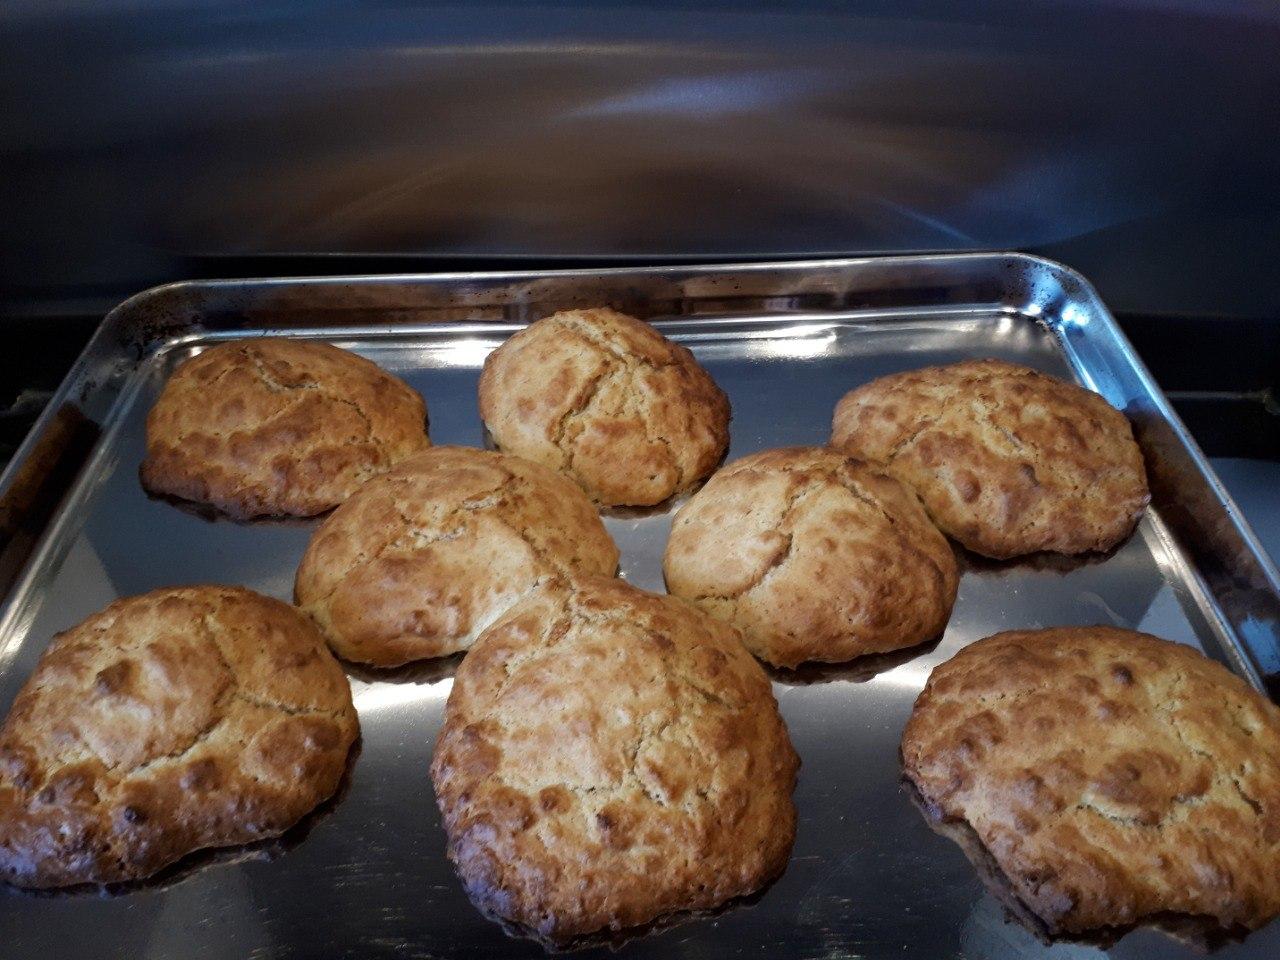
column 145, row 141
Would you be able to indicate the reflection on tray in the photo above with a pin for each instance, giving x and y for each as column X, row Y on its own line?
column 859, row 670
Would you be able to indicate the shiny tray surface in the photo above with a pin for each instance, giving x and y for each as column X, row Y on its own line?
column 366, row 876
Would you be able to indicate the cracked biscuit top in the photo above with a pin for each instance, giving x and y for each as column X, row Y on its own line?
column 181, row 719
column 419, row 560
column 608, row 757
column 1007, row 460
column 278, row 427
column 813, row 556
column 1111, row 778
column 609, row 401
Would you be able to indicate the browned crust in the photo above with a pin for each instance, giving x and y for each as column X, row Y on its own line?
column 608, row 400
column 1007, row 460
column 278, row 427
column 1103, row 779
column 813, row 556
column 609, row 757
column 1202, row 932
column 178, row 720
column 418, row 561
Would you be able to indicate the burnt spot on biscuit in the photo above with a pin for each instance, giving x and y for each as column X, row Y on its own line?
column 1008, row 460
column 632, row 777
column 114, row 678
column 119, row 778
column 1108, row 804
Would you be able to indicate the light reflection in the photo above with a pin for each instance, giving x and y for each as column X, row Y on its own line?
column 721, row 95
column 379, row 696
column 910, row 675
column 1074, row 315
column 798, row 342
column 464, row 353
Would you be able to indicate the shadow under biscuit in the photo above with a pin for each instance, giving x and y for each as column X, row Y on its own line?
column 417, row 671
column 211, row 514
column 1042, row 562
column 617, row 939
column 669, row 505
column 269, row 848
column 858, row 670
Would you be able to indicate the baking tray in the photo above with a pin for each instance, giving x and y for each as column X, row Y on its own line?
column 367, row 876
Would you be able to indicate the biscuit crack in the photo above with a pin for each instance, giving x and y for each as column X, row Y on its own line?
column 451, row 525
column 905, row 542
column 986, row 408
column 676, row 465
column 617, row 364
column 783, row 552
column 901, row 446
column 359, row 410
column 966, row 384
column 1168, row 707
column 270, row 381
column 291, row 709
column 1250, row 800
column 706, row 694
column 363, row 561
column 1115, row 817
column 555, row 631
column 298, row 391
column 823, row 479
column 779, row 558
column 416, row 531
column 629, row 358
column 221, row 717
column 588, row 396
column 642, row 741
column 237, row 690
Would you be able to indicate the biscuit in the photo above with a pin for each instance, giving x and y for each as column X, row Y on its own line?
column 278, row 427
column 610, row 757
column 813, row 556
column 1105, row 779
column 1008, row 461
column 420, row 560
column 170, row 722
column 609, row 401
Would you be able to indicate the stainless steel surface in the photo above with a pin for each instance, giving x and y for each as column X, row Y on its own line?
column 867, row 879
column 1253, row 484
column 145, row 140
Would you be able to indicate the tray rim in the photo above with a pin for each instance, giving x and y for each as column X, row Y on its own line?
column 114, row 352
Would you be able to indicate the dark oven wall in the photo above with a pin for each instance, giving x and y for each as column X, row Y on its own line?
column 153, row 139
column 1136, row 140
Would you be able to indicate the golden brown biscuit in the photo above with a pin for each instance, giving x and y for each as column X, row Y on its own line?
column 420, row 560
column 609, row 401
column 181, row 719
column 273, row 426
column 1105, row 779
column 608, row 757
column 1007, row 460
column 813, row 556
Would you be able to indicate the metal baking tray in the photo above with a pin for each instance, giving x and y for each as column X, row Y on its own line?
column 366, row 876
